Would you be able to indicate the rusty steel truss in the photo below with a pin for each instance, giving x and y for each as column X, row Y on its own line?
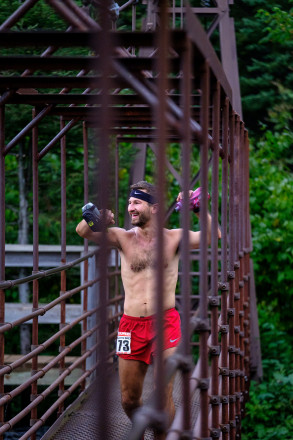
column 151, row 86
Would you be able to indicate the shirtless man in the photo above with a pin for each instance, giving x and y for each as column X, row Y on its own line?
column 137, row 248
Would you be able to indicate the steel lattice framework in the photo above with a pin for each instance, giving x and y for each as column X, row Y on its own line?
column 154, row 86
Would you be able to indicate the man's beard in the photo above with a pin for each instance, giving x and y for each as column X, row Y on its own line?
column 140, row 221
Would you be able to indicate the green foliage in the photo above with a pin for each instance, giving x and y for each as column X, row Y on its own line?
column 279, row 25
column 269, row 411
column 270, row 408
column 40, row 16
column 271, row 195
column 264, row 39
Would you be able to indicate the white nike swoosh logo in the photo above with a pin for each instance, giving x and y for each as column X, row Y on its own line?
column 173, row 340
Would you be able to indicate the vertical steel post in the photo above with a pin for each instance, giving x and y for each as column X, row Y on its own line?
column 117, row 224
column 224, row 368
column 246, row 249
column 237, row 266
column 247, row 280
column 159, row 115
column 185, row 223
column 25, row 6
column 215, row 349
column 35, row 332
column 102, row 181
column 85, row 249
column 242, row 190
column 133, row 23
column 2, row 247
column 63, row 257
column 231, row 275
column 203, row 282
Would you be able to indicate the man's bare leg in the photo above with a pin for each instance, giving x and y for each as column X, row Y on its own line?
column 131, row 375
column 169, row 402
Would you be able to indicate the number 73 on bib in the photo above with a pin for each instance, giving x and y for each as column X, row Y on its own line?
column 123, row 345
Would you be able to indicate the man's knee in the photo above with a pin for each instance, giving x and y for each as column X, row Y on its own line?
column 130, row 403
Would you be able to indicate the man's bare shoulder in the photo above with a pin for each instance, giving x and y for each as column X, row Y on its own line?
column 120, row 235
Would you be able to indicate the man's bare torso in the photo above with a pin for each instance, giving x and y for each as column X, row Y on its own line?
column 138, row 252
column 138, row 271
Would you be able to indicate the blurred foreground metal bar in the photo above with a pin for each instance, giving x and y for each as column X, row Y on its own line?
column 35, row 333
column 2, row 246
column 161, row 123
column 215, row 348
column 102, row 181
column 224, row 287
column 203, row 283
column 185, row 224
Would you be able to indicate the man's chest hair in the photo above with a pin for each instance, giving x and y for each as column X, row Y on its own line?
column 140, row 258
column 148, row 259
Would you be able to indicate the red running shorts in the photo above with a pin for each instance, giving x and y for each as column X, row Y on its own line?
column 136, row 336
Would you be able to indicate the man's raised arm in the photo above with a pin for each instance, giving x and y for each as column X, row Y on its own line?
column 194, row 236
column 89, row 227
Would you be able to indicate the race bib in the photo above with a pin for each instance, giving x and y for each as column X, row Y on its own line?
column 123, row 343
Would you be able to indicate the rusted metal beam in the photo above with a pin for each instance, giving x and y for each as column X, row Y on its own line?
column 197, row 35
column 214, row 303
column 59, row 136
column 224, row 369
column 13, row 62
column 163, row 66
column 54, row 81
column 45, row 369
column 86, row 246
column 23, row 97
column 45, row 307
column 203, row 284
column 62, row 343
column 68, row 14
column 229, row 59
column 185, row 224
column 31, row 125
column 102, row 182
column 45, row 273
column 87, row 38
column 2, row 245
column 232, row 280
column 19, row 13
column 15, row 82
column 35, row 328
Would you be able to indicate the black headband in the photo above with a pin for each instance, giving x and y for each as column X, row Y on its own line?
column 138, row 194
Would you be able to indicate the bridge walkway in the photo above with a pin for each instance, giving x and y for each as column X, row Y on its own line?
column 79, row 421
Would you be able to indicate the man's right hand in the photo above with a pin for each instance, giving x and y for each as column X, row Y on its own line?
column 93, row 216
column 110, row 220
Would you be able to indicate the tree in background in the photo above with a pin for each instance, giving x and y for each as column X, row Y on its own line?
column 265, row 47
column 265, row 43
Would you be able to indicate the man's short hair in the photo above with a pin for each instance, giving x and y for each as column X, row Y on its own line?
column 148, row 187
